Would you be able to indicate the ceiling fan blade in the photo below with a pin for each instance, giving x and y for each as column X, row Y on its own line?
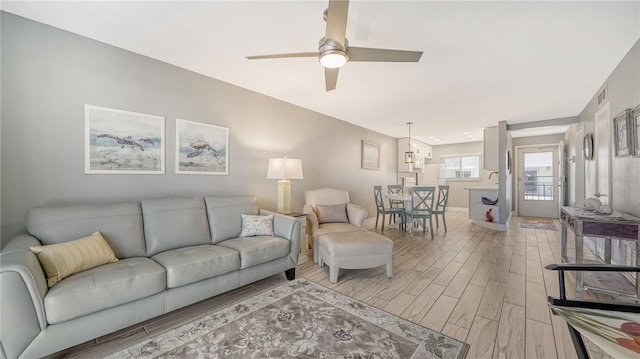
column 280, row 56
column 337, row 21
column 383, row 55
column 330, row 78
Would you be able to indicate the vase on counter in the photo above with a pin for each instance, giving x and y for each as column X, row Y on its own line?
column 489, row 216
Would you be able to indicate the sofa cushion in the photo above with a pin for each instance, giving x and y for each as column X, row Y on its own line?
column 120, row 223
column 192, row 264
column 103, row 287
column 64, row 259
column 256, row 250
column 171, row 223
column 224, row 213
column 256, row 225
column 335, row 213
column 334, row 228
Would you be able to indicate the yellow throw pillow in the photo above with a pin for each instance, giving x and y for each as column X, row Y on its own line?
column 64, row 259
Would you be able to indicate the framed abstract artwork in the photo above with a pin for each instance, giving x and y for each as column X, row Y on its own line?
column 123, row 142
column 201, row 148
column 370, row 155
column 622, row 133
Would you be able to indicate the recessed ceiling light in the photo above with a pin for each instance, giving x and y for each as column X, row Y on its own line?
column 466, row 133
column 431, row 137
column 437, row 140
column 473, row 138
column 469, row 136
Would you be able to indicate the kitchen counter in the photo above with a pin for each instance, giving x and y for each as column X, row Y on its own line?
column 483, row 188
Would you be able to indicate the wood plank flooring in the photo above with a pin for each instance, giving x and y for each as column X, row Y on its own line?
column 484, row 287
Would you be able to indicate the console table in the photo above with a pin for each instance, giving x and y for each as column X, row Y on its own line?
column 587, row 223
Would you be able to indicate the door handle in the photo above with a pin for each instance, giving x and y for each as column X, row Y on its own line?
column 598, row 195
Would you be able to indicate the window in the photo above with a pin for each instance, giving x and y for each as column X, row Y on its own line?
column 538, row 176
column 462, row 167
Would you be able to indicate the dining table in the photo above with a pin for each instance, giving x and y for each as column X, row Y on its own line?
column 406, row 197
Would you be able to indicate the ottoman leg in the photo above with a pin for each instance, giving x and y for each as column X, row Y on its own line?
column 390, row 267
column 333, row 273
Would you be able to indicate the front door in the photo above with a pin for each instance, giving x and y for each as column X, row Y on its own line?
column 538, row 190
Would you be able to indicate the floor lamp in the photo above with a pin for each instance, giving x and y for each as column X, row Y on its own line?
column 284, row 169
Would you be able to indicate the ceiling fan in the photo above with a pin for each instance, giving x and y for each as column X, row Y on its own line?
column 334, row 50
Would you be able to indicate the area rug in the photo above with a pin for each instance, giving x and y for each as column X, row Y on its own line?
column 538, row 223
column 299, row 319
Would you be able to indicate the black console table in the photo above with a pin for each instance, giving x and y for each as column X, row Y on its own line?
column 587, row 223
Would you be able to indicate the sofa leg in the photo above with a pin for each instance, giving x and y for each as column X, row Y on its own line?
column 290, row 273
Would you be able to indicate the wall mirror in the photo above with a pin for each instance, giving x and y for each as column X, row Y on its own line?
column 587, row 146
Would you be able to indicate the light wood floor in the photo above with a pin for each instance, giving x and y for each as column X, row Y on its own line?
column 483, row 287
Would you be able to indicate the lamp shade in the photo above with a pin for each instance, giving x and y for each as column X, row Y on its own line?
column 285, row 168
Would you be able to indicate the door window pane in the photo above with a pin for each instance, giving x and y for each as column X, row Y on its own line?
column 538, row 176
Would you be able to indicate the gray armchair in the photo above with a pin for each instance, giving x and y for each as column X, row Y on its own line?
column 352, row 221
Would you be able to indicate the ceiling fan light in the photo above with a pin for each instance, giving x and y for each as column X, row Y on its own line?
column 333, row 58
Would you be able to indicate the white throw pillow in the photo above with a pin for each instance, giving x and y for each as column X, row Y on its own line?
column 332, row 214
column 256, row 225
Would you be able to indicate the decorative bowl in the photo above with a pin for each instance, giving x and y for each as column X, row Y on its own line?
column 591, row 204
column 604, row 210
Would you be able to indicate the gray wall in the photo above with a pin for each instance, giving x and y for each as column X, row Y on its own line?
column 537, row 140
column 624, row 92
column 505, row 143
column 49, row 74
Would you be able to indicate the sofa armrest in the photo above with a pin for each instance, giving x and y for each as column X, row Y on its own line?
column 311, row 215
column 357, row 214
column 22, row 289
column 287, row 227
column 20, row 242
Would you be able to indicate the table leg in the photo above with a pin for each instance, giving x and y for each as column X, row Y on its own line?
column 607, row 250
column 637, row 265
column 563, row 243
column 579, row 259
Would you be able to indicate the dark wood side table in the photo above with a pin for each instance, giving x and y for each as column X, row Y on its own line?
column 586, row 223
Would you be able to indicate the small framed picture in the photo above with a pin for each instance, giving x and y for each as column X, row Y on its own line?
column 370, row 155
column 635, row 129
column 622, row 133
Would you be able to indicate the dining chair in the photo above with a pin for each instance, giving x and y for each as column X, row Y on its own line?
column 380, row 208
column 422, row 199
column 441, row 205
column 395, row 203
column 609, row 325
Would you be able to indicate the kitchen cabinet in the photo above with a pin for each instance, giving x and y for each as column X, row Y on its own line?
column 491, row 148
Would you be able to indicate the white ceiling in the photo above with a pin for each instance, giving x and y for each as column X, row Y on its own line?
column 483, row 62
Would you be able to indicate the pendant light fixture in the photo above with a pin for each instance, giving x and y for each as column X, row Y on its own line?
column 408, row 156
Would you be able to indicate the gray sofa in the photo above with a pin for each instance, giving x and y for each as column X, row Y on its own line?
column 172, row 252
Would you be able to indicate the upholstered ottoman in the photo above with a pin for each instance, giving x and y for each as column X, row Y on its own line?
column 354, row 250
